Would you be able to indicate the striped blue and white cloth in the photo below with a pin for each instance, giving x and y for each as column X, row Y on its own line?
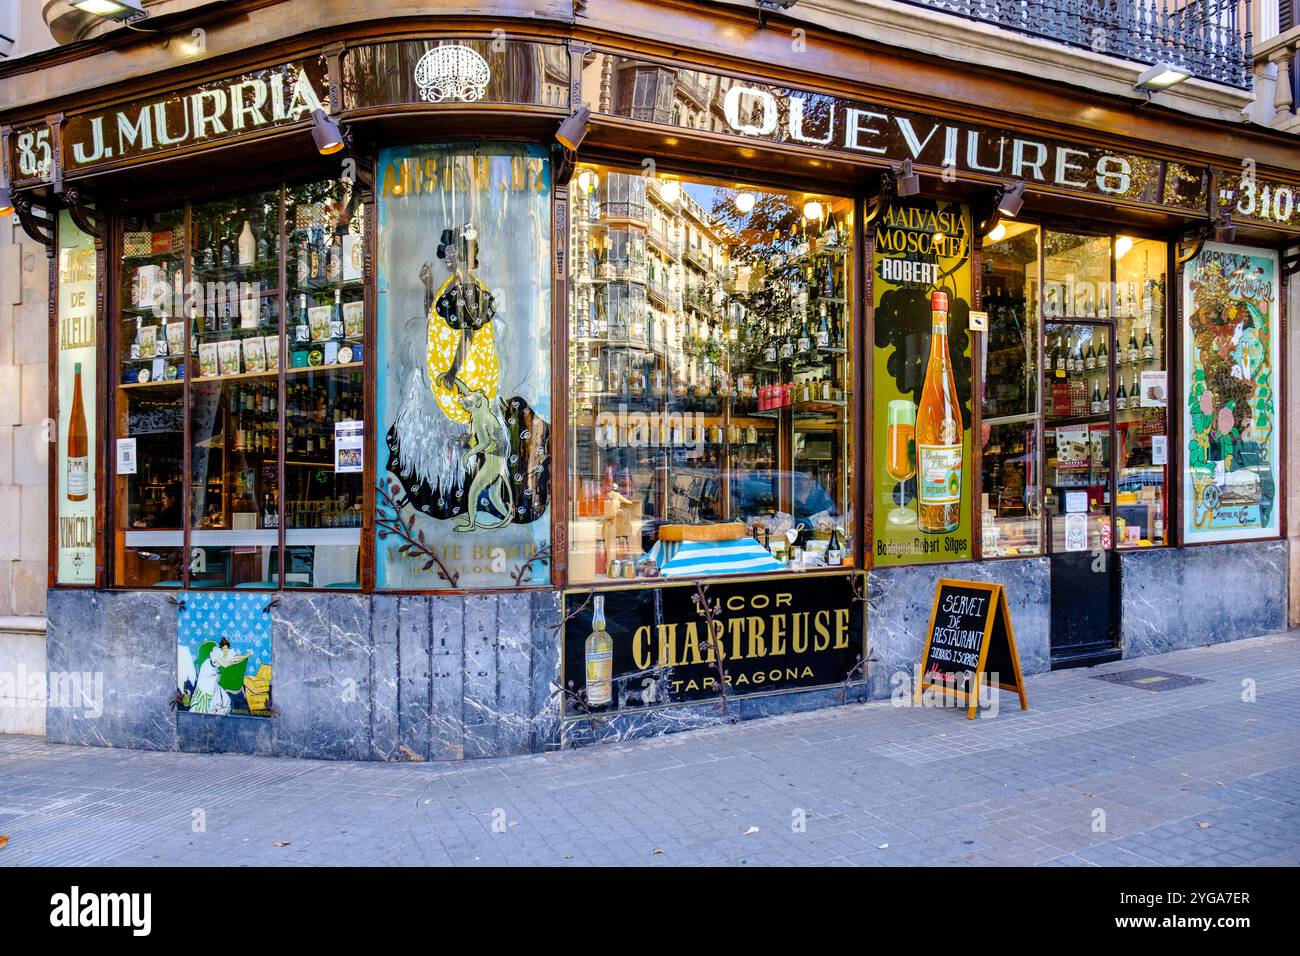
column 743, row 555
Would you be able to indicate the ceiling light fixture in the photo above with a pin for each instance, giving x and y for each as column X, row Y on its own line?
column 908, row 180
column 1011, row 199
column 1160, row 77
column 670, row 190
column 745, row 201
column 1225, row 230
column 574, row 129
column 123, row 11
column 997, row 234
column 325, row 131
column 812, row 210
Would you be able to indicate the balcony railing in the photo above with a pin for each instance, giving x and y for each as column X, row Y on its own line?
column 1210, row 39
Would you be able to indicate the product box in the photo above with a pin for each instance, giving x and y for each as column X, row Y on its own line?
column 254, row 354
column 318, row 317
column 228, row 352
column 271, row 346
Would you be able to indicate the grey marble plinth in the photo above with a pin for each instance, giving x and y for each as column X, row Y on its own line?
column 116, row 652
column 1185, row 597
column 899, row 612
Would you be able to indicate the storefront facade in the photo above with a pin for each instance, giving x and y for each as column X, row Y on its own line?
column 391, row 426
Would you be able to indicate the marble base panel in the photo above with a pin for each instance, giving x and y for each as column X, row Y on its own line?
column 389, row 677
column 1187, row 597
column 898, row 613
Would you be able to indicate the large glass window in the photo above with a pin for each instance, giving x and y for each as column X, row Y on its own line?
column 1010, row 519
column 1141, row 393
column 149, row 483
column 711, row 378
column 240, row 423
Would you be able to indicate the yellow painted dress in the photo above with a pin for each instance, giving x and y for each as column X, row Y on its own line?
column 480, row 366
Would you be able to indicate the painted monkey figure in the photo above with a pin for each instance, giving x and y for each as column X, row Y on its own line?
column 487, row 437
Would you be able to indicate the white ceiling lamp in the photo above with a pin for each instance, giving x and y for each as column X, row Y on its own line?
column 1122, row 246
column 745, row 201
column 1160, row 77
column 123, row 11
column 670, row 190
column 812, row 210
column 998, row 233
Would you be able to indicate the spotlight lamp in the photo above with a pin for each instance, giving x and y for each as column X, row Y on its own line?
column 1011, row 198
column 907, row 180
column 123, row 11
column 1225, row 230
column 325, row 131
column 574, row 129
column 1160, row 77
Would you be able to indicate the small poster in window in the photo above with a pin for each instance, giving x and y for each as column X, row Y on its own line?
column 1072, row 447
column 318, row 317
column 1154, row 393
column 349, row 446
column 1076, row 532
column 126, row 456
column 254, row 354
column 1159, row 449
column 352, row 257
column 354, row 317
column 271, row 346
column 148, row 341
column 207, row 359
column 228, row 351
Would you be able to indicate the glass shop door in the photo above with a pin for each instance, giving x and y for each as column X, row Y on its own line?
column 1079, row 393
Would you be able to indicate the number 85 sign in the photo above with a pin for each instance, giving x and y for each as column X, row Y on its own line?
column 32, row 153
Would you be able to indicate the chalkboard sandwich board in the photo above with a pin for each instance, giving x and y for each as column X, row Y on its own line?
column 970, row 643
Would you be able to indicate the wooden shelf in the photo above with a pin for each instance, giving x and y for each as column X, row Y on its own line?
column 299, row 369
column 167, row 381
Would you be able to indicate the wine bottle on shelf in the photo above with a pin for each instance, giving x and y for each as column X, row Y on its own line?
column 1089, row 358
column 227, row 321
column 1096, row 397
column 1135, row 393
column 823, row 329
column 939, row 432
column 77, row 487
column 227, row 254
column 1134, row 353
column 1148, row 346
column 1102, row 357
column 135, row 346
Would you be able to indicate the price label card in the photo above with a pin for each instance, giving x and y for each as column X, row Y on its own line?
column 979, row 321
column 1159, row 449
column 1076, row 502
column 349, row 446
column 126, row 461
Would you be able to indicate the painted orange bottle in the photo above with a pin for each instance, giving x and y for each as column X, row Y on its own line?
column 938, row 433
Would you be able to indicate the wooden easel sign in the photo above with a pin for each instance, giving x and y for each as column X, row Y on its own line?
column 969, row 638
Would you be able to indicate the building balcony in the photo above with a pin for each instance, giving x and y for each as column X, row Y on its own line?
column 1210, row 39
column 1277, row 68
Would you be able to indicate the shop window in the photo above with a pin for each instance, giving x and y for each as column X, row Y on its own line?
column 324, row 391
column 1076, row 402
column 1009, row 501
column 270, row 409
column 1141, row 393
column 463, row 403
column 234, row 424
column 150, row 486
column 716, row 437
